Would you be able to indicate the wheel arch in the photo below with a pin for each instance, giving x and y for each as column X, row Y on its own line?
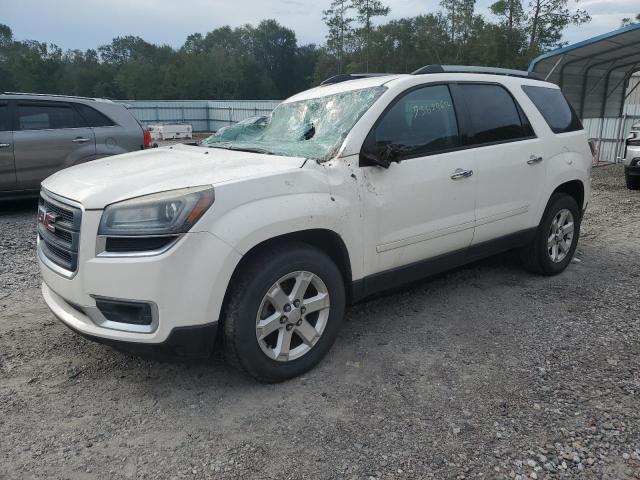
column 573, row 188
column 325, row 240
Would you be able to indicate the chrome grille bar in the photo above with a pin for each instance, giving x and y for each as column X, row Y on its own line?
column 59, row 231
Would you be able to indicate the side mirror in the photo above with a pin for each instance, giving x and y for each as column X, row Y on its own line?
column 383, row 159
column 371, row 159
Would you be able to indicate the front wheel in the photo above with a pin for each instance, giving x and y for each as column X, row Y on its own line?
column 284, row 312
column 556, row 238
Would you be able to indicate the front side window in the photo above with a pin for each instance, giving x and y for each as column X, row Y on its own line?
column 493, row 115
column 555, row 109
column 5, row 120
column 314, row 128
column 45, row 116
column 421, row 122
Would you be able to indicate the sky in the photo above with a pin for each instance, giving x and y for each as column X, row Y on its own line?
column 86, row 24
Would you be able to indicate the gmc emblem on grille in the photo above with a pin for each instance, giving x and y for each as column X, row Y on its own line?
column 47, row 219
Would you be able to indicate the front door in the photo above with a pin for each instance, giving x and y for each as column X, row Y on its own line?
column 7, row 167
column 49, row 136
column 423, row 206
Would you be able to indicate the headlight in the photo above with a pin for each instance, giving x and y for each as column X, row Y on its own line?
column 165, row 213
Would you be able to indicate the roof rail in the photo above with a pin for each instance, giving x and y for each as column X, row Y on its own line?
column 475, row 69
column 343, row 77
column 52, row 95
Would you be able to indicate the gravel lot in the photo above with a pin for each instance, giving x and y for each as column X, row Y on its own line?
column 486, row 371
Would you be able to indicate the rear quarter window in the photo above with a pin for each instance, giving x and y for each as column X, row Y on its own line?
column 554, row 107
column 92, row 117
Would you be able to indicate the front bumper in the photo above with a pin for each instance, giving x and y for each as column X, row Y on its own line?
column 186, row 342
column 632, row 171
column 186, row 286
column 632, row 154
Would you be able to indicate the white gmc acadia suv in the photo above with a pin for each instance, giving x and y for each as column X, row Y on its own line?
column 362, row 184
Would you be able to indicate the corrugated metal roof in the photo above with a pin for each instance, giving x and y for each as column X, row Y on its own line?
column 594, row 74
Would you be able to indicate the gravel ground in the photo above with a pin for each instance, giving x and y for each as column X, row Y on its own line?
column 486, row 371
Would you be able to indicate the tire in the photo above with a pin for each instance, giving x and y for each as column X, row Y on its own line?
column 277, row 271
column 539, row 256
column 633, row 182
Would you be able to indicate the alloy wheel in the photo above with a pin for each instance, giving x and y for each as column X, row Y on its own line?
column 560, row 235
column 292, row 316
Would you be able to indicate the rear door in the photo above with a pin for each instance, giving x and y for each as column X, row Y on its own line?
column 49, row 136
column 7, row 167
column 509, row 170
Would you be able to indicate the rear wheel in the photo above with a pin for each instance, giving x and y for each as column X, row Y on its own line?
column 284, row 312
column 556, row 238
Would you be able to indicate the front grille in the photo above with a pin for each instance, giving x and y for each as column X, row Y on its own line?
column 59, row 231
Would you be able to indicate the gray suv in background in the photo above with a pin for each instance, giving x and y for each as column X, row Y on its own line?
column 41, row 134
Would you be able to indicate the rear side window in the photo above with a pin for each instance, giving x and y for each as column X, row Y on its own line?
column 493, row 115
column 5, row 119
column 422, row 121
column 554, row 108
column 92, row 117
column 46, row 116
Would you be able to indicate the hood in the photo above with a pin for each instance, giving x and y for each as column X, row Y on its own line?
column 102, row 182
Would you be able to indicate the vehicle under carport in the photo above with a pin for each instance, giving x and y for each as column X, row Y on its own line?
column 597, row 77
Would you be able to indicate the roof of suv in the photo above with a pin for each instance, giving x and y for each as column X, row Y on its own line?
column 47, row 96
column 360, row 82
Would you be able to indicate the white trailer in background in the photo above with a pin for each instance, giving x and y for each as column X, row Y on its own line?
column 170, row 131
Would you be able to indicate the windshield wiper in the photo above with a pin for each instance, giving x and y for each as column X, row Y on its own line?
column 251, row 149
column 243, row 149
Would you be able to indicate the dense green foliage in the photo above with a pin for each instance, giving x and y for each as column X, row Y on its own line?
column 265, row 61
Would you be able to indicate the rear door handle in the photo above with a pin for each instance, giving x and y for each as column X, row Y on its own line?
column 461, row 173
column 5, row 145
column 533, row 159
column 80, row 140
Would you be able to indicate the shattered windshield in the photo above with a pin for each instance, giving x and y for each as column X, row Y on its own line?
column 243, row 130
column 313, row 128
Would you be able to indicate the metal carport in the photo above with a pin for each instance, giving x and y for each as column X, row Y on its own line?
column 594, row 75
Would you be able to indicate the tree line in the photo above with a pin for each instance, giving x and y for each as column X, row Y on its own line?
column 266, row 60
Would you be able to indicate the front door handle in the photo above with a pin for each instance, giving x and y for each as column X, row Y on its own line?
column 533, row 159
column 80, row 140
column 5, row 145
column 461, row 173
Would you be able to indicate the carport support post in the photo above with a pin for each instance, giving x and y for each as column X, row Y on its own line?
column 553, row 68
column 600, row 138
column 602, row 110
